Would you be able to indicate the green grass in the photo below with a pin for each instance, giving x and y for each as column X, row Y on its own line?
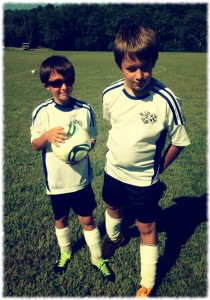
column 30, row 247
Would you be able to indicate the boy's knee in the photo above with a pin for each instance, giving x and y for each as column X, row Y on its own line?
column 62, row 222
column 115, row 212
column 86, row 221
column 146, row 228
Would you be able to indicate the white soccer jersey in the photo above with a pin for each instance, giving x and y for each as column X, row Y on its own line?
column 60, row 177
column 139, row 126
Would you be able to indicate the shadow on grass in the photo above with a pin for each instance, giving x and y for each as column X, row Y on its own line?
column 179, row 222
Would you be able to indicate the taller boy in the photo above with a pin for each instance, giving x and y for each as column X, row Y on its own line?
column 142, row 112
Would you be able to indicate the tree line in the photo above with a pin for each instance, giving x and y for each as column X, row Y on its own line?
column 93, row 27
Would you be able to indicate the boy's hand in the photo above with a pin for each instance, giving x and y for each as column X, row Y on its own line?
column 56, row 135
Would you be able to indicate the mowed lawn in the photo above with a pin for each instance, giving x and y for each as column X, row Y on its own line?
column 29, row 243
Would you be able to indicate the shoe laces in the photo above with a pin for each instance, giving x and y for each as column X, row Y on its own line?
column 63, row 258
column 102, row 266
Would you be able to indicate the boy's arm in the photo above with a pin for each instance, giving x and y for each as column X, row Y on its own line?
column 54, row 136
column 39, row 143
column 93, row 142
column 169, row 156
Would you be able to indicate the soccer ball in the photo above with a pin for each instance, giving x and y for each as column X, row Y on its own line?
column 76, row 147
column 33, row 71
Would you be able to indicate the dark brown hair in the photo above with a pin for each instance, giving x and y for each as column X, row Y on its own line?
column 135, row 41
column 57, row 63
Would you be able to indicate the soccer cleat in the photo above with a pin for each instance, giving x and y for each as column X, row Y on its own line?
column 105, row 270
column 143, row 292
column 62, row 264
column 109, row 247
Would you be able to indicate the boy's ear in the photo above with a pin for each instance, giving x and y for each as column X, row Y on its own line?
column 45, row 85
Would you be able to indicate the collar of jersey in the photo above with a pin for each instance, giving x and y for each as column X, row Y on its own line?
column 135, row 98
column 69, row 107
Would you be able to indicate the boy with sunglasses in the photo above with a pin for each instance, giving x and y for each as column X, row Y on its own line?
column 68, row 185
column 142, row 112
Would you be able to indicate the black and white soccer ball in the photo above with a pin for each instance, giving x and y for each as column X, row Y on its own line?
column 76, row 147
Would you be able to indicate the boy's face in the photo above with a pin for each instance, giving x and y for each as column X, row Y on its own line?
column 137, row 74
column 60, row 87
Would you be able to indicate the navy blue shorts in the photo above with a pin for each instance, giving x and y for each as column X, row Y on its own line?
column 82, row 202
column 141, row 201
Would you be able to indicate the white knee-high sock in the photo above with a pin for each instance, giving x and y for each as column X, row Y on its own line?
column 63, row 238
column 93, row 240
column 113, row 226
column 149, row 258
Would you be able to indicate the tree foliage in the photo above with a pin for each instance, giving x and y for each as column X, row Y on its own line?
column 93, row 27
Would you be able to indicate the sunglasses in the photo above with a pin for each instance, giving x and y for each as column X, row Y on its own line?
column 57, row 83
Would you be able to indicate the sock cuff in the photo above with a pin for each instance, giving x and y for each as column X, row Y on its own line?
column 149, row 253
column 62, row 232
column 112, row 220
column 63, row 238
column 92, row 237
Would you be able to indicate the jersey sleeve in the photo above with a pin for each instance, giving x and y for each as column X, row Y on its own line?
column 93, row 127
column 106, row 114
column 38, row 125
column 177, row 125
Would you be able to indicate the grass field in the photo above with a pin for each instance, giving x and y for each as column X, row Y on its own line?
column 30, row 247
